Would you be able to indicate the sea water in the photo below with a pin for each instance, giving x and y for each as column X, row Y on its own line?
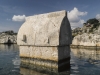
column 82, row 62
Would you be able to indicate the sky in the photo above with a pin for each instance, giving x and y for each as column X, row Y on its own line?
column 14, row 12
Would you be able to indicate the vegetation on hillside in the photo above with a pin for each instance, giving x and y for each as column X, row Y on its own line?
column 10, row 32
column 90, row 26
column 92, row 21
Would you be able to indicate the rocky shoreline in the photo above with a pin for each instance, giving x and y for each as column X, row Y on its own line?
column 88, row 35
column 8, row 37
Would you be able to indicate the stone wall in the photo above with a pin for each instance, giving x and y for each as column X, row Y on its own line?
column 46, row 53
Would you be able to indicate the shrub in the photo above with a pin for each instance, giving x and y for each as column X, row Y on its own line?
column 92, row 21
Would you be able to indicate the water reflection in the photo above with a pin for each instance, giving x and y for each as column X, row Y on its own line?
column 10, row 63
column 89, row 54
column 7, row 55
column 25, row 71
column 35, row 66
column 7, row 47
column 85, row 62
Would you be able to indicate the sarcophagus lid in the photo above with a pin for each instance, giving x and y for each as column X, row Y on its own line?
column 49, row 29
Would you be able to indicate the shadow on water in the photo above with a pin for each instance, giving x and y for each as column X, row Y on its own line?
column 43, row 70
column 63, row 64
column 8, row 45
column 27, row 71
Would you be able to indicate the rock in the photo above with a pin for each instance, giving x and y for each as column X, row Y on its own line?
column 87, row 40
column 8, row 37
column 89, row 35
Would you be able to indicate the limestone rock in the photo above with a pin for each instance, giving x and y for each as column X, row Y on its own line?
column 87, row 40
column 50, row 29
column 88, row 35
column 7, row 38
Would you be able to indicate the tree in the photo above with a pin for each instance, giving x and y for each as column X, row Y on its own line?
column 93, row 21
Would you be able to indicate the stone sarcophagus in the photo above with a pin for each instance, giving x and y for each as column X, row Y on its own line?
column 44, row 40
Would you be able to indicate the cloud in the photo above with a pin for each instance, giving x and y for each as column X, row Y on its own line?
column 77, row 24
column 19, row 18
column 98, row 16
column 74, row 17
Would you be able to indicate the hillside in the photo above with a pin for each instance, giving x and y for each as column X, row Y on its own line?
column 88, row 35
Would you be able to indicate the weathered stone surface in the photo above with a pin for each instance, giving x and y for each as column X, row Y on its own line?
column 6, row 38
column 46, row 53
column 87, row 40
column 50, row 29
column 45, row 37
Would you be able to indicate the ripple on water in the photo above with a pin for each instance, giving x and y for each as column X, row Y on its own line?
column 74, row 67
column 16, row 61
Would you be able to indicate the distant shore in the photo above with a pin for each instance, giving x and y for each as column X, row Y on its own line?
column 8, row 37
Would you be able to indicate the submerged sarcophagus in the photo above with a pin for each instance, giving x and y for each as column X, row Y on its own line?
column 44, row 40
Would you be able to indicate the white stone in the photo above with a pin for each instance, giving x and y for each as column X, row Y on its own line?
column 46, row 37
column 46, row 53
column 50, row 29
column 5, row 37
column 87, row 40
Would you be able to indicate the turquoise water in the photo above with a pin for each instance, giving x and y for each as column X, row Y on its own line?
column 83, row 62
